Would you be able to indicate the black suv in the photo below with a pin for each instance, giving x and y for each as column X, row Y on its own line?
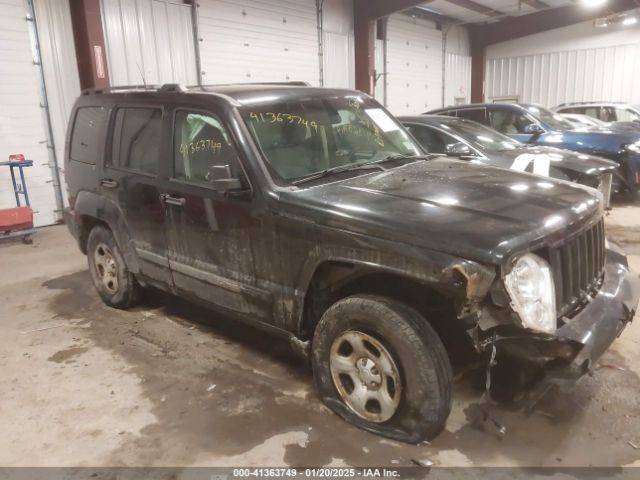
column 311, row 213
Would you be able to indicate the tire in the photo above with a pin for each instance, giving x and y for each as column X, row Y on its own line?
column 112, row 279
column 422, row 398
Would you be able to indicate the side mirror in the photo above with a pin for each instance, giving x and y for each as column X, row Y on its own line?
column 533, row 129
column 458, row 149
column 219, row 176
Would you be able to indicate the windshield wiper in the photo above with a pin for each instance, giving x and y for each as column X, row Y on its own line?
column 354, row 166
column 334, row 170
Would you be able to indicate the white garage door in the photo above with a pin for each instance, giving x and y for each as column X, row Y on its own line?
column 258, row 41
column 149, row 41
column 414, row 65
column 22, row 126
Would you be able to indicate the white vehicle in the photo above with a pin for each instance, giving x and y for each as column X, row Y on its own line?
column 605, row 111
column 583, row 121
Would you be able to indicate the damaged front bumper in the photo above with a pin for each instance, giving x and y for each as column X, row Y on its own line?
column 577, row 344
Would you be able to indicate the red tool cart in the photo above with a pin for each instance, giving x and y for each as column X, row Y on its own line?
column 17, row 221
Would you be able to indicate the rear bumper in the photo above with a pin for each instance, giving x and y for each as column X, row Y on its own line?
column 574, row 348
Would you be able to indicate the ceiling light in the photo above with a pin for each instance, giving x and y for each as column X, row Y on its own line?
column 593, row 3
column 630, row 21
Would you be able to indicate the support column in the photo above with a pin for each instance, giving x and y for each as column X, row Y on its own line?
column 364, row 42
column 91, row 52
column 478, row 49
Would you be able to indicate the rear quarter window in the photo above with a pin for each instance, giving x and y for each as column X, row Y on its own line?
column 89, row 129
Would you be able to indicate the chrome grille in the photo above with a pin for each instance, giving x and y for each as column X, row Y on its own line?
column 577, row 268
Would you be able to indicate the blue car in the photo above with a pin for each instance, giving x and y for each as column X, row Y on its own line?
column 537, row 125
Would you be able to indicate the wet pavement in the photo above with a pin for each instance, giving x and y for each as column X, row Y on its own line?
column 168, row 383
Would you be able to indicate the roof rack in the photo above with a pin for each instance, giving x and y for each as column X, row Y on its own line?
column 298, row 83
column 167, row 87
column 176, row 87
column 594, row 102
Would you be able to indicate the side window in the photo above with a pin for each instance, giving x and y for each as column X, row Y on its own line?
column 508, row 122
column 139, row 131
column 201, row 143
column 608, row 114
column 430, row 139
column 475, row 114
column 89, row 130
column 625, row 115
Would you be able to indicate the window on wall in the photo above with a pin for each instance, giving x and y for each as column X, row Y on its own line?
column 139, row 132
column 88, row 134
column 201, row 143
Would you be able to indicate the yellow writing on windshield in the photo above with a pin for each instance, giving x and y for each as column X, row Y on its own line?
column 200, row 146
column 359, row 130
column 271, row 117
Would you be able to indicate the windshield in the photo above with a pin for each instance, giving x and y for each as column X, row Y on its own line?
column 301, row 137
column 482, row 137
column 554, row 120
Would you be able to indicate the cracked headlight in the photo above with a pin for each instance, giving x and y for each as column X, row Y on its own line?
column 530, row 286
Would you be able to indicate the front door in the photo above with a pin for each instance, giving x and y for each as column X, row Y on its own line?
column 130, row 180
column 212, row 235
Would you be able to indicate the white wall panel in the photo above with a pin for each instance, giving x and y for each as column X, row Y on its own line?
column 338, row 47
column 414, row 65
column 22, row 129
column 150, row 39
column 457, row 78
column 60, row 69
column 258, row 40
column 609, row 73
column 576, row 63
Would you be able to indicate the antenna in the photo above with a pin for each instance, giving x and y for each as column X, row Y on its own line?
column 144, row 82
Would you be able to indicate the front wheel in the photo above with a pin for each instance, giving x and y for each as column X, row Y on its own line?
column 378, row 364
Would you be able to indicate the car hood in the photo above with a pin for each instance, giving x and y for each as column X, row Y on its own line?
column 475, row 212
column 595, row 139
column 572, row 164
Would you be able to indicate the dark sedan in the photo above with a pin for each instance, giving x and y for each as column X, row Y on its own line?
column 537, row 125
column 468, row 140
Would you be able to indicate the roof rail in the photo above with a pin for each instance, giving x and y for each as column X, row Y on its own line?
column 298, row 83
column 167, row 87
column 593, row 102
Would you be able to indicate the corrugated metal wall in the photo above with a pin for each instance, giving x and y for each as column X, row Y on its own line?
column 608, row 73
column 414, row 65
column 151, row 39
column 338, row 48
column 457, row 81
column 60, row 69
column 22, row 129
column 261, row 40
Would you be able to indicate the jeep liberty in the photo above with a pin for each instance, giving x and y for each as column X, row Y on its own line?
column 313, row 214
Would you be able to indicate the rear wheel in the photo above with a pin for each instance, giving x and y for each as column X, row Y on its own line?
column 111, row 277
column 378, row 364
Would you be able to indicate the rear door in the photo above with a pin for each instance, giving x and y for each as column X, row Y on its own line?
column 130, row 178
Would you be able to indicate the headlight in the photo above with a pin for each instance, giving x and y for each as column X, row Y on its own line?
column 604, row 187
column 530, row 286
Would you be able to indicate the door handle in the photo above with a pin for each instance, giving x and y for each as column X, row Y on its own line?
column 108, row 183
column 169, row 200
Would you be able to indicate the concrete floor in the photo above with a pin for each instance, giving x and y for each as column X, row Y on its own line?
column 171, row 384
